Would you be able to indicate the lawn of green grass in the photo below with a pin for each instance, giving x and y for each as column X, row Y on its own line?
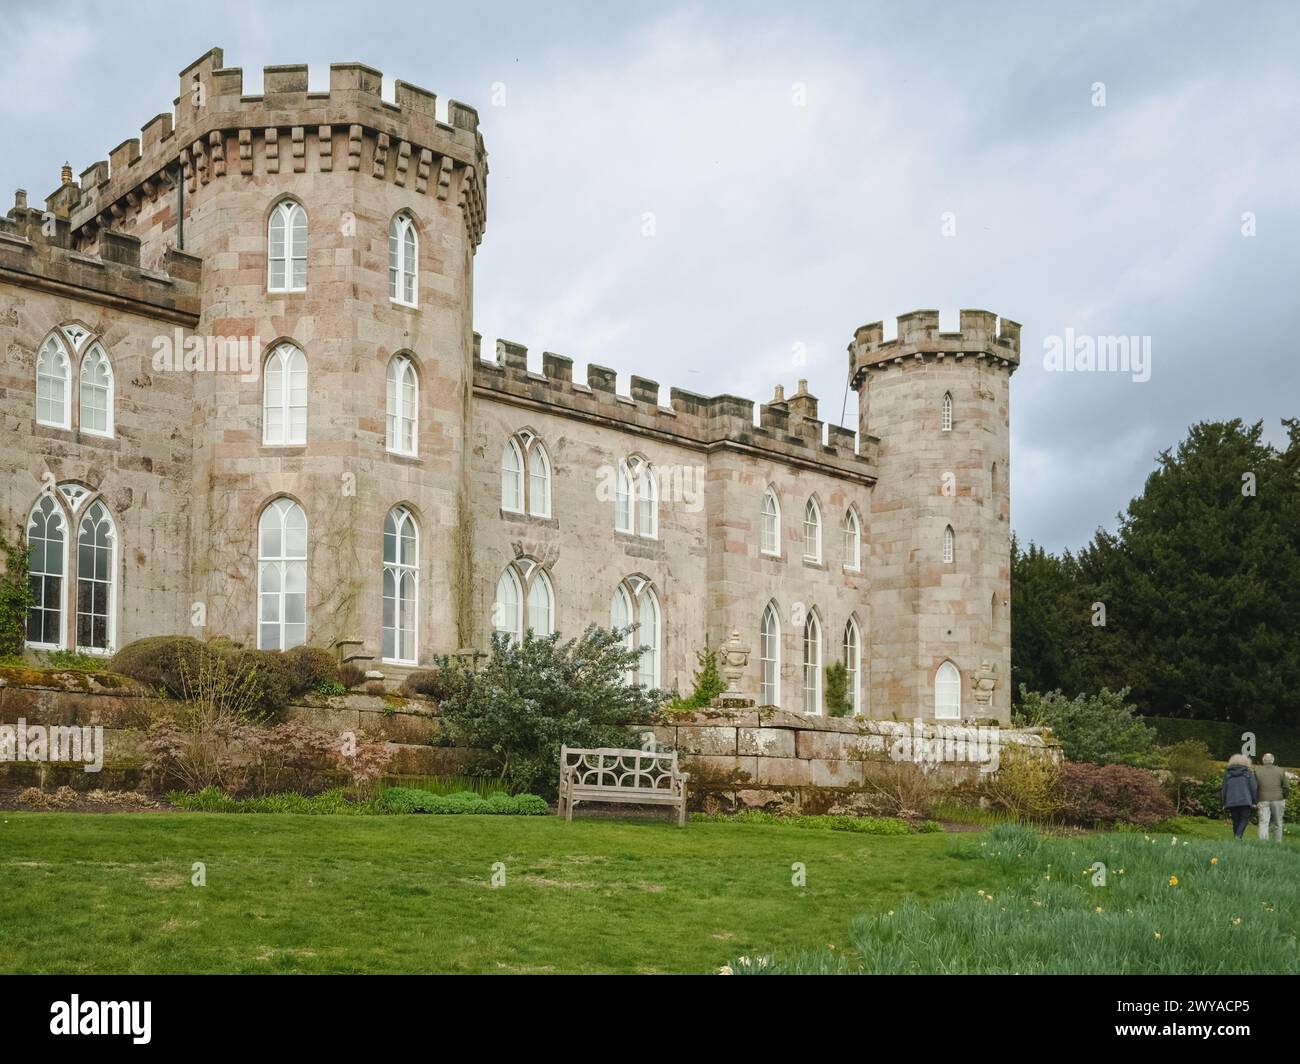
column 1190, row 901
column 112, row 892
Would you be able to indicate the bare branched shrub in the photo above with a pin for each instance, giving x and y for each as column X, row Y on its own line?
column 1026, row 786
column 899, row 789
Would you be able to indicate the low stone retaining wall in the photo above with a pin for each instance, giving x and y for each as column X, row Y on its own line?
column 766, row 759
column 773, row 759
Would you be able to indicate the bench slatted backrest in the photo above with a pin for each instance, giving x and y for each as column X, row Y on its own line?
column 646, row 770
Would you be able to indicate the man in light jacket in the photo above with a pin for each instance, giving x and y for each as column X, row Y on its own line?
column 1273, row 789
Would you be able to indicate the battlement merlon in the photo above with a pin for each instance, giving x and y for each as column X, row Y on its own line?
column 213, row 122
column 36, row 252
column 704, row 423
column 980, row 336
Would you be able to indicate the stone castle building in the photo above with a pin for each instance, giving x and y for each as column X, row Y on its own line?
column 242, row 395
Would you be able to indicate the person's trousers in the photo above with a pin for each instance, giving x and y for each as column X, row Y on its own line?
column 1240, row 818
column 1271, row 812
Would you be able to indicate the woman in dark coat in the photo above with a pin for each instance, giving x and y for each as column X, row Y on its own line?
column 1240, row 792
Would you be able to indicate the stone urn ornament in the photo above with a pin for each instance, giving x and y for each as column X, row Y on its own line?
column 984, row 682
column 733, row 659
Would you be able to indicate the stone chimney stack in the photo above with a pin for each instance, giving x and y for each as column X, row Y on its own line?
column 803, row 404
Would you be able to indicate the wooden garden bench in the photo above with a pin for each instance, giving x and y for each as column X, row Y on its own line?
column 634, row 777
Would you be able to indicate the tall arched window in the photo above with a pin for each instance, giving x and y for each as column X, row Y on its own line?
column 506, row 617
column 947, row 692
column 812, row 665
column 284, row 397
column 401, row 586
column 769, row 651
column 949, row 544
column 512, row 477
column 74, row 593
column 525, row 600
column 282, row 576
column 286, row 244
column 770, row 524
column 812, row 532
column 403, row 405
column 403, row 259
column 946, row 415
column 54, row 384
column 47, row 545
column 96, row 561
column 96, row 392
column 636, row 606
column 636, row 500
column 541, row 604
column 852, row 540
column 853, row 663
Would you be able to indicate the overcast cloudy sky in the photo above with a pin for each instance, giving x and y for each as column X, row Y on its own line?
column 799, row 161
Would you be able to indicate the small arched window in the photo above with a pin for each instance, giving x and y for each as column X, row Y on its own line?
column 54, row 384
column 635, row 606
column 526, row 475
column 769, row 652
column 812, row 664
column 853, row 663
column 403, row 405
column 636, row 499
column 945, row 419
column 286, row 256
column 47, row 546
column 852, row 541
column 403, row 259
column 947, row 692
column 770, row 521
column 401, row 581
column 512, row 477
column 284, row 397
column 949, row 545
column 96, row 392
column 541, row 604
column 282, row 576
column 812, row 532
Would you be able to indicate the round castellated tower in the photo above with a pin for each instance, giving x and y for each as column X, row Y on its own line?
column 939, row 530
column 352, row 162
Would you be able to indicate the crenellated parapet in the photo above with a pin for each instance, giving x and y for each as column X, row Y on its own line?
column 980, row 337
column 216, row 132
column 37, row 252
column 787, row 430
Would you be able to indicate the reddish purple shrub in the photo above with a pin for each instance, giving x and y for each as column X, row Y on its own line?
column 1096, row 795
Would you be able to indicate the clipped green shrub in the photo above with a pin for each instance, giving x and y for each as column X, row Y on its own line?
column 309, row 667
column 15, row 598
column 161, row 662
column 409, row 800
column 435, row 684
column 179, row 665
column 350, row 674
column 1102, row 729
column 838, row 703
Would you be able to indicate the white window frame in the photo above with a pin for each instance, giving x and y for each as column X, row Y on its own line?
column 507, row 618
column 627, row 609
column 852, row 541
column 853, row 662
column 538, row 481
column 812, row 664
column 770, row 525
column 110, row 618
column 515, row 471
column 54, row 346
column 538, row 580
column 401, row 372
column 769, row 639
column 812, row 530
column 65, row 526
column 949, row 545
column 945, row 417
column 400, row 571
column 636, row 499
column 947, row 692
column 286, row 212
column 403, row 260
column 523, row 577
column 279, row 510
column 281, row 363
column 95, row 356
